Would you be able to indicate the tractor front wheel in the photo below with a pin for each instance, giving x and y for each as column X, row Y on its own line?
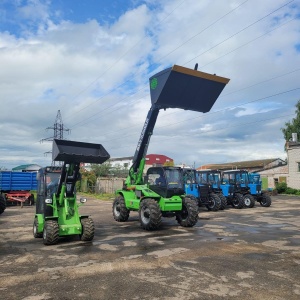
column 120, row 212
column 214, row 202
column 238, row 201
column 249, row 201
column 150, row 214
column 88, row 229
column 266, row 200
column 223, row 201
column 51, row 232
column 188, row 216
column 36, row 234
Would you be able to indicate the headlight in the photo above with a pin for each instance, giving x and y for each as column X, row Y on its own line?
column 48, row 201
column 82, row 200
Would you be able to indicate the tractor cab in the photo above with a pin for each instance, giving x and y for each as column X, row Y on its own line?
column 166, row 181
column 47, row 179
column 238, row 179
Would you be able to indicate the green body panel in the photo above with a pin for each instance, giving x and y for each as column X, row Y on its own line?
column 139, row 192
column 65, row 211
column 40, row 219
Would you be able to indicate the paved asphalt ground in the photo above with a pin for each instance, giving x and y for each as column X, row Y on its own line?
column 231, row 254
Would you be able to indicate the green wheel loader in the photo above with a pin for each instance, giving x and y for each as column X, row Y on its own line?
column 57, row 213
column 161, row 192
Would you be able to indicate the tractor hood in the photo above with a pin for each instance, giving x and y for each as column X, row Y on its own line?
column 78, row 152
column 180, row 87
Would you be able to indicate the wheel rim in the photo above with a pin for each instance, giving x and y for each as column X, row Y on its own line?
column 34, row 228
column 211, row 203
column 247, row 201
column 117, row 209
column 145, row 215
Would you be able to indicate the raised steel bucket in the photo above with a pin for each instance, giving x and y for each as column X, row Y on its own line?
column 180, row 87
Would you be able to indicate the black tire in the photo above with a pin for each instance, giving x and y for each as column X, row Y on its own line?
column 35, row 232
column 51, row 232
column 214, row 202
column 266, row 200
column 88, row 229
column 120, row 212
column 31, row 200
column 249, row 201
column 2, row 204
column 223, row 201
column 238, row 201
column 150, row 214
column 188, row 217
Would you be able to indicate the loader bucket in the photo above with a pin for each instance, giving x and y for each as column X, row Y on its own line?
column 78, row 152
column 180, row 87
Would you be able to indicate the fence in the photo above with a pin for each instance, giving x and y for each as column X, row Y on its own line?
column 106, row 185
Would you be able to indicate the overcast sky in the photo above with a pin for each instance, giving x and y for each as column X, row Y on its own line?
column 92, row 61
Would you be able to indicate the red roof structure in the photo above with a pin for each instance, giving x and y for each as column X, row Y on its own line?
column 157, row 159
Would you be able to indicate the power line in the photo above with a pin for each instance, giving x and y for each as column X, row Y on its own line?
column 238, row 32
column 248, row 26
column 218, row 129
column 115, row 62
column 212, row 112
column 126, row 81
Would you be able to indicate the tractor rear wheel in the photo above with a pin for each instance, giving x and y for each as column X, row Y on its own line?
column 249, row 201
column 88, row 229
column 238, row 201
column 266, row 200
column 2, row 204
column 51, row 232
column 214, row 202
column 223, row 201
column 188, row 216
column 120, row 212
column 150, row 214
column 36, row 234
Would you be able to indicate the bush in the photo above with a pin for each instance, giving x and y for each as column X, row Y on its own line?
column 281, row 187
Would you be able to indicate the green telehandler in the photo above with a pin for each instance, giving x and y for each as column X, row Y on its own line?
column 57, row 213
column 161, row 192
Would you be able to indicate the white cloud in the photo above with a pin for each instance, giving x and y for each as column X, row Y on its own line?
column 97, row 74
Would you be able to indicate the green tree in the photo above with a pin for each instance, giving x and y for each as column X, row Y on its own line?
column 293, row 126
column 102, row 170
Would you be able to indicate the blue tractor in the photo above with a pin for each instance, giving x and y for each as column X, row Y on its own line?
column 254, row 184
column 202, row 192
column 239, row 181
column 229, row 183
column 212, row 179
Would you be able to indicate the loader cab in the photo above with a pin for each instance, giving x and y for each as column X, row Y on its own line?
column 166, row 181
column 47, row 184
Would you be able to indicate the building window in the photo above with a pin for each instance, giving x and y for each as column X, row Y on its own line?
column 157, row 158
column 167, row 160
column 147, row 158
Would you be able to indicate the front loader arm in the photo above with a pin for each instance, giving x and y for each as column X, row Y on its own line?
column 136, row 171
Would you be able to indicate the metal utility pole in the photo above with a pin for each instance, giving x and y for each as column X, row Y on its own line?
column 58, row 128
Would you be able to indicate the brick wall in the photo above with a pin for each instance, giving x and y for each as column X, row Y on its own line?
column 293, row 160
column 275, row 174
